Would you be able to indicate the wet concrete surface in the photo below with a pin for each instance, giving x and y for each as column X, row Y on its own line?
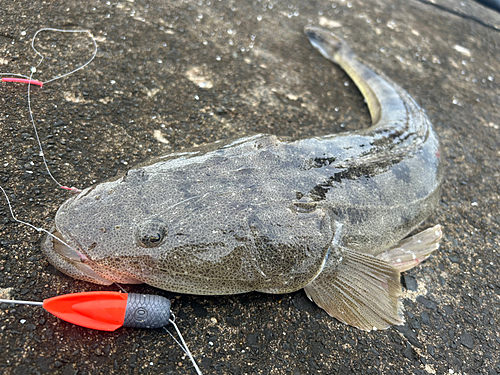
column 173, row 74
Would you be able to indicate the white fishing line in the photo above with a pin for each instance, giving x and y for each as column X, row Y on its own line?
column 42, row 57
column 33, row 70
column 184, row 345
column 30, row 79
column 37, row 228
column 63, row 31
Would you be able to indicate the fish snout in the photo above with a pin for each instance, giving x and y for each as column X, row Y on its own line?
column 68, row 260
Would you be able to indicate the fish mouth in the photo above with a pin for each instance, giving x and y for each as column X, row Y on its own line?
column 68, row 260
column 64, row 250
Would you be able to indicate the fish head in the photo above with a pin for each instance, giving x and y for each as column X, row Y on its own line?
column 158, row 229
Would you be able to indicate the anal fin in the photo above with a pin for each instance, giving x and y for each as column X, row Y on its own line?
column 413, row 250
column 361, row 291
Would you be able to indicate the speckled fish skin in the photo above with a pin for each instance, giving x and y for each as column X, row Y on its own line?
column 261, row 213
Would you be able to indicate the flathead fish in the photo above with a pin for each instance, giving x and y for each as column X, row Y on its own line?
column 328, row 214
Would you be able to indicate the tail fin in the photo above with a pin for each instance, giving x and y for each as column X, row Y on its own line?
column 389, row 105
column 329, row 45
column 373, row 87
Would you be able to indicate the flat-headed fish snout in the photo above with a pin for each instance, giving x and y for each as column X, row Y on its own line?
column 68, row 260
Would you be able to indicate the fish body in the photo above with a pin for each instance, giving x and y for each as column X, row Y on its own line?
column 263, row 213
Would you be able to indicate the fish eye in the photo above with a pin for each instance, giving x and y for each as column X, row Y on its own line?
column 151, row 233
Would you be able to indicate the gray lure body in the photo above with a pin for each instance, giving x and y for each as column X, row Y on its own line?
column 327, row 214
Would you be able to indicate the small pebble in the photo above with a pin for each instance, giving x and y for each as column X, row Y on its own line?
column 410, row 283
column 467, row 340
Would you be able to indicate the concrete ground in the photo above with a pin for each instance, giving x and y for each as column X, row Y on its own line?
column 173, row 74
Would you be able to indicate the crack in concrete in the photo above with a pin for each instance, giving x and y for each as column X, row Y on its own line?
column 459, row 14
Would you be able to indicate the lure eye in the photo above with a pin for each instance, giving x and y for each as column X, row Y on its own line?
column 151, row 233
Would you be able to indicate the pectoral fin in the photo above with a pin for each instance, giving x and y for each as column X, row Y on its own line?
column 361, row 291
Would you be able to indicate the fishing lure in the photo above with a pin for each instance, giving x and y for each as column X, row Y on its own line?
column 108, row 311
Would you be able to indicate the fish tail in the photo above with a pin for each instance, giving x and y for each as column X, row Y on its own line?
column 387, row 102
column 329, row 45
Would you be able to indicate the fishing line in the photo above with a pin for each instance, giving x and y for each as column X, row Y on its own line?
column 29, row 80
column 54, row 307
column 37, row 228
column 64, row 31
column 184, row 346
